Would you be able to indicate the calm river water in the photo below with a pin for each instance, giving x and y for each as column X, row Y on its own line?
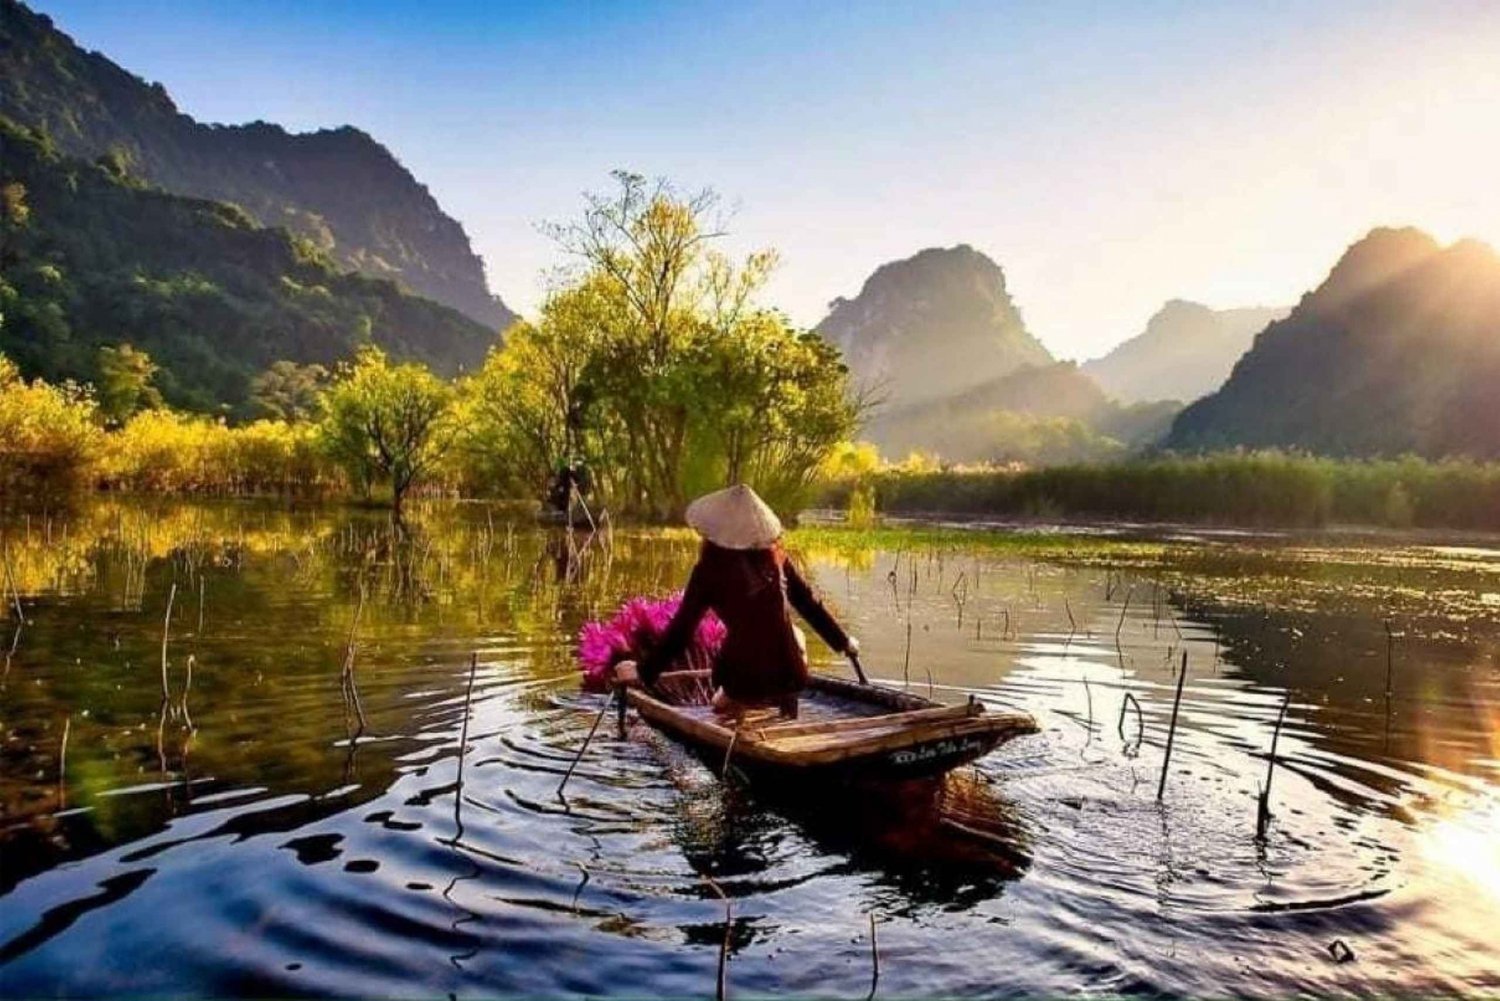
column 242, row 836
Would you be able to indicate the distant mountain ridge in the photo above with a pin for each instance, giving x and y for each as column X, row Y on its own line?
column 1186, row 351
column 1397, row 351
column 338, row 188
column 1037, row 414
column 932, row 325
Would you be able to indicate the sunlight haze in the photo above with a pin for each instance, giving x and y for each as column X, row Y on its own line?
column 667, row 499
column 1108, row 160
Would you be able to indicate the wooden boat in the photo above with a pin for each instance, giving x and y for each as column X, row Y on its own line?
column 844, row 731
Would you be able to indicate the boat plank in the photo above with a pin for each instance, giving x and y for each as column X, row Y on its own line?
column 845, row 724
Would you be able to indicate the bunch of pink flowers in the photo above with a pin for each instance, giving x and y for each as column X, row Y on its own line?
column 634, row 631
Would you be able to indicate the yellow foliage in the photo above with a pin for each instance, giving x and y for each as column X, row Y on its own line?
column 159, row 451
column 917, row 462
column 851, row 460
column 50, row 441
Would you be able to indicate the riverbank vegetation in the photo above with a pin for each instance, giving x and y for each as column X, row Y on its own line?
column 652, row 370
column 1239, row 488
column 651, row 365
column 378, row 428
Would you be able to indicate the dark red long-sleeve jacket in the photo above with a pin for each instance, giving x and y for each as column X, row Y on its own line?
column 752, row 591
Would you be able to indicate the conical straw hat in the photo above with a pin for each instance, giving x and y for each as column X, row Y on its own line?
column 735, row 518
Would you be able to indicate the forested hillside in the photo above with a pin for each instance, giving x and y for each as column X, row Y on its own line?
column 1398, row 351
column 90, row 256
column 338, row 188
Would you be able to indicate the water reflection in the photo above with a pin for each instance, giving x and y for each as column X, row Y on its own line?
column 296, row 815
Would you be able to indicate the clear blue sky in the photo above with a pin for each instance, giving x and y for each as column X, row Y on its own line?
column 1108, row 156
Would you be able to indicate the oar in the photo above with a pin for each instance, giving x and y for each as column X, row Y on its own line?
column 620, row 690
column 858, row 668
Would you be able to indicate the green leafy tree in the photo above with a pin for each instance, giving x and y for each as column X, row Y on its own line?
column 386, row 421
column 771, row 403
column 288, row 391
column 660, row 288
column 534, row 405
column 125, row 375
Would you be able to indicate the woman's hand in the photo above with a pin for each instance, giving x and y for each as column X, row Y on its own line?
column 627, row 675
column 851, row 648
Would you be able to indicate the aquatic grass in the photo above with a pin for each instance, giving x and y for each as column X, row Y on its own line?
column 931, row 540
column 1244, row 488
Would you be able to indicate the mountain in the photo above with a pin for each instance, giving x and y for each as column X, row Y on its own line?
column 931, row 326
column 1037, row 414
column 1185, row 352
column 90, row 256
column 1398, row 351
column 338, row 188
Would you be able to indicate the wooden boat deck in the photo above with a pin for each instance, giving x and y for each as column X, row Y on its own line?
column 839, row 723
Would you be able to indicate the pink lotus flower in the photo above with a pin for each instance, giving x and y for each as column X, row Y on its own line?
column 634, row 631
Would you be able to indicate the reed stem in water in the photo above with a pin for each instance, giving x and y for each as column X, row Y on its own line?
column 1161, row 786
column 721, row 986
column 166, row 629
column 586, row 740
column 1263, row 812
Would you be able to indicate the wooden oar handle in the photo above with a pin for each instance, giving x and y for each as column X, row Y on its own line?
column 859, row 670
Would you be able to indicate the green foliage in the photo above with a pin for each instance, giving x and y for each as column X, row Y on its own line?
column 288, row 391
column 652, row 365
column 124, row 382
column 533, row 405
column 94, row 261
column 53, row 445
column 687, row 385
column 854, row 464
column 771, row 403
column 1241, row 488
column 14, row 215
column 387, row 421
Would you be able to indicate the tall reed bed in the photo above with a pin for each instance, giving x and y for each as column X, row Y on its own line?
column 1240, row 488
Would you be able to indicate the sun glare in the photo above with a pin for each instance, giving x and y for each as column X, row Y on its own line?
column 1466, row 844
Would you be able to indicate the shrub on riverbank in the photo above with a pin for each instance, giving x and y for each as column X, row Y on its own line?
column 1242, row 488
column 161, row 451
column 50, row 440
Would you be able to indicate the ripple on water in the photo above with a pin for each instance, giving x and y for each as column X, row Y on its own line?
column 271, row 851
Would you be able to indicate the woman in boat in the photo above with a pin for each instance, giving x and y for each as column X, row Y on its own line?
column 743, row 575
